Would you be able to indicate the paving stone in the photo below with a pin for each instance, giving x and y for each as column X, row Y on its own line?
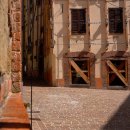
column 80, row 108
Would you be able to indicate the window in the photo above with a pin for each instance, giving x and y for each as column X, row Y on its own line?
column 38, row 2
column 78, row 21
column 115, row 20
column 83, row 64
column 121, row 66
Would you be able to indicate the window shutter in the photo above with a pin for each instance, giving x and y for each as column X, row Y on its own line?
column 78, row 21
column 82, row 24
column 115, row 20
column 74, row 18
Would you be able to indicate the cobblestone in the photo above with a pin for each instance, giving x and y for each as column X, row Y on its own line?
column 79, row 108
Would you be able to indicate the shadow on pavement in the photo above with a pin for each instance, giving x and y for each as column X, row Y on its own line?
column 121, row 119
column 36, row 83
column 14, row 125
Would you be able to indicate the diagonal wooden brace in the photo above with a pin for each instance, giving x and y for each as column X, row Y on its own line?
column 116, row 71
column 79, row 71
column 114, row 76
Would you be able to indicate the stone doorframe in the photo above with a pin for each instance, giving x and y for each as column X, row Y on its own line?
column 67, row 66
column 15, row 25
column 114, row 54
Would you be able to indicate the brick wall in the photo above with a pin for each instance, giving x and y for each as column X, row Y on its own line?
column 15, row 18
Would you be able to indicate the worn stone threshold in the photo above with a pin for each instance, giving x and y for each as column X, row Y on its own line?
column 14, row 115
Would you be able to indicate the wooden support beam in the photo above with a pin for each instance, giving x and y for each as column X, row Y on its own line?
column 110, row 64
column 79, row 71
column 119, row 68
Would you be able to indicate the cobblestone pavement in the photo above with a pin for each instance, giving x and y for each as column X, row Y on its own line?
column 79, row 108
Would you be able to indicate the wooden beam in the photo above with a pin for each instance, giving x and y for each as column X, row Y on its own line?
column 110, row 64
column 119, row 68
column 79, row 71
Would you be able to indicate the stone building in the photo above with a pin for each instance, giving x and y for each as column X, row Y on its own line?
column 65, row 43
column 78, row 42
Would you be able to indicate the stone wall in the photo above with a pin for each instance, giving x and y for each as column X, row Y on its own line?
column 15, row 18
column 5, row 51
column 10, row 47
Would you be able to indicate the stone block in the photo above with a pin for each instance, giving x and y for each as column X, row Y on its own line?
column 16, row 77
column 17, row 17
column 16, row 56
column 16, row 66
column 16, row 27
column 16, row 46
column 16, row 87
column 17, row 36
column 16, row 5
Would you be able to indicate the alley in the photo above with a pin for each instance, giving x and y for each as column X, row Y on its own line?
column 79, row 108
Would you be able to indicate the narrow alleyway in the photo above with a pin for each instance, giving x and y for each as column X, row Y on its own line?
column 79, row 108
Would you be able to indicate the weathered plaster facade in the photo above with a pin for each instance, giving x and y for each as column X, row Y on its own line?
column 52, row 29
column 97, row 40
column 5, row 51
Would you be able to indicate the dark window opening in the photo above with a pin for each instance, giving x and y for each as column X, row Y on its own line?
column 116, row 20
column 116, row 81
column 113, row 79
column 83, row 64
column 38, row 2
column 78, row 21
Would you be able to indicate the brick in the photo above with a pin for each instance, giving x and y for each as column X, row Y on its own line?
column 17, row 17
column 17, row 36
column 16, row 6
column 16, row 46
column 16, row 27
column 16, row 56
column 16, row 77
column 16, row 87
column 16, row 66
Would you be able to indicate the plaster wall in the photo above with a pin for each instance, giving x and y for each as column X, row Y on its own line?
column 4, row 38
column 97, row 39
column 5, row 51
column 61, row 35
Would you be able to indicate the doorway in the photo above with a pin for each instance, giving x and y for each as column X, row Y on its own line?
column 35, row 42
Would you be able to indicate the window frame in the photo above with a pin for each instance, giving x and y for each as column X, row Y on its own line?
column 78, row 20
column 85, row 71
column 115, row 30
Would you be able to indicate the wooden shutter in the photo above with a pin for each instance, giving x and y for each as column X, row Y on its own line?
column 115, row 20
column 82, row 20
column 78, row 21
column 74, row 19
